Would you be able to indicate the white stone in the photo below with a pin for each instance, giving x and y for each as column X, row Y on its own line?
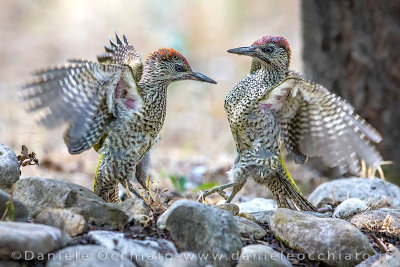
column 256, row 205
column 350, row 207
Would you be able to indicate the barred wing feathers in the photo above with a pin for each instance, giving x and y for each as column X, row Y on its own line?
column 75, row 93
column 84, row 94
column 316, row 122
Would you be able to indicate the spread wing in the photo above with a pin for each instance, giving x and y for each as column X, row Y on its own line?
column 316, row 122
column 83, row 94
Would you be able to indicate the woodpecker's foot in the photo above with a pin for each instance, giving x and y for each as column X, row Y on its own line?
column 133, row 191
column 128, row 192
column 218, row 189
column 237, row 186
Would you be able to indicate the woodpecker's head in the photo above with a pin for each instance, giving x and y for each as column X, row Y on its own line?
column 168, row 65
column 268, row 50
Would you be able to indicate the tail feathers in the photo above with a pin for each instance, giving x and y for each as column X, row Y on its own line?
column 290, row 197
column 286, row 192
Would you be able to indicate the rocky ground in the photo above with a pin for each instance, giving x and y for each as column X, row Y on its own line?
column 48, row 222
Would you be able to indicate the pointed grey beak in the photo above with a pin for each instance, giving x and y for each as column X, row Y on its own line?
column 248, row 51
column 201, row 77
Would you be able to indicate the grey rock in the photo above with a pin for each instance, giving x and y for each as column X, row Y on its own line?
column 317, row 214
column 231, row 207
column 370, row 190
column 88, row 256
column 256, row 205
column 20, row 211
column 204, row 229
column 260, row 256
column 30, row 240
column 375, row 219
column 9, row 168
column 39, row 193
column 333, row 241
column 162, row 220
column 350, row 207
column 70, row 222
column 389, row 260
column 247, row 216
column 135, row 208
column 142, row 252
column 249, row 228
column 262, row 216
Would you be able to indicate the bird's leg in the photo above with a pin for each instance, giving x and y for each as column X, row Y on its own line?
column 128, row 192
column 238, row 179
column 133, row 191
column 129, row 188
column 138, row 171
column 218, row 189
column 238, row 175
column 237, row 186
column 142, row 170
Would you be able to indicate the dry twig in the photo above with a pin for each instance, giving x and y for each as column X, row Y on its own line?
column 27, row 158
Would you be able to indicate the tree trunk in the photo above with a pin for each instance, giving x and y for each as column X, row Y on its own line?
column 352, row 47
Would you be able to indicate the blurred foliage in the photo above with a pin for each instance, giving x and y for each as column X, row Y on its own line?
column 179, row 182
column 205, row 186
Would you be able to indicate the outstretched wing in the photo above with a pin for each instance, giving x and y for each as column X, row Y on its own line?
column 86, row 94
column 76, row 94
column 316, row 122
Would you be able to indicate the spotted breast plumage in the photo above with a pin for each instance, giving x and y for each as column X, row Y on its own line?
column 117, row 105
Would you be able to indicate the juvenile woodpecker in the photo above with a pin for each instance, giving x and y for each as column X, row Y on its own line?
column 273, row 105
column 117, row 104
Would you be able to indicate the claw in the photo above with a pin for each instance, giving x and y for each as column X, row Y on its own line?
column 128, row 192
column 218, row 189
column 133, row 191
column 237, row 186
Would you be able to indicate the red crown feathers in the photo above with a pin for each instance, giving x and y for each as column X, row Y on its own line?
column 167, row 54
column 279, row 40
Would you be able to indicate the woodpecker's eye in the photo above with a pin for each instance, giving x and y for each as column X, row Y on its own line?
column 268, row 49
column 179, row 68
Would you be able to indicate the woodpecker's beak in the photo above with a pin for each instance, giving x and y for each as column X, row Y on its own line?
column 201, row 77
column 248, row 51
